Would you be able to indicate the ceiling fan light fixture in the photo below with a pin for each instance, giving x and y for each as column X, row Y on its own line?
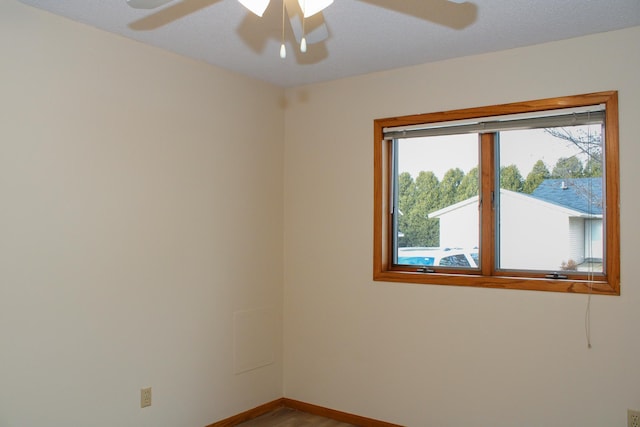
column 311, row 7
column 256, row 6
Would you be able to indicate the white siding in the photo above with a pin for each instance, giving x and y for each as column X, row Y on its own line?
column 459, row 228
column 532, row 235
column 576, row 240
column 593, row 241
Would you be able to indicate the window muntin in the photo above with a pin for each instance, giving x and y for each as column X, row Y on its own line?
column 497, row 130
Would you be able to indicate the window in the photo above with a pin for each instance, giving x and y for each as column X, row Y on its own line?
column 518, row 196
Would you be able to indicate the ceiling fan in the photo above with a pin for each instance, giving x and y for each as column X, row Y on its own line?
column 307, row 8
column 305, row 17
column 256, row 6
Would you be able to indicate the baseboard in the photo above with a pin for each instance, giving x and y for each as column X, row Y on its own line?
column 344, row 417
column 250, row 414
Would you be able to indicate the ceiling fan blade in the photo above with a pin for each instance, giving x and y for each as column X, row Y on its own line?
column 456, row 14
column 256, row 6
column 311, row 7
column 169, row 14
column 315, row 29
column 147, row 4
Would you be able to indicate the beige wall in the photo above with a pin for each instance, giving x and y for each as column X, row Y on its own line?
column 140, row 215
column 436, row 355
column 138, row 212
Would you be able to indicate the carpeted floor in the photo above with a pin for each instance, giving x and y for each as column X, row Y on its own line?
column 287, row 417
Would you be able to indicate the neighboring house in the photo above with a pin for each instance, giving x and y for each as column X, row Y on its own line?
column 543, row 230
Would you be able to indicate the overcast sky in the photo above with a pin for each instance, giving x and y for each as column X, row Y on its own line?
column 522, row 148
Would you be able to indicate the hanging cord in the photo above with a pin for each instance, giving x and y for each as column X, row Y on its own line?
column 587, row 318
column 590, row 272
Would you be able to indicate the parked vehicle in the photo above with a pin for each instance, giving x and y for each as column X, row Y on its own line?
column 441, row 257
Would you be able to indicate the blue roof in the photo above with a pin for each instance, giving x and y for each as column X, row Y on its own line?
column 580, row 194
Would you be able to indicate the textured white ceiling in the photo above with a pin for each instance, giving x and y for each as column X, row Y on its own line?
column 364, row 35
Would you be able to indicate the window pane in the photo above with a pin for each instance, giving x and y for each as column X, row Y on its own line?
column 436, row 216
column 550, row 202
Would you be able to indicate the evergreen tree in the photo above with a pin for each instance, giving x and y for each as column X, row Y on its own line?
column 468, row 185
column 593, row 168
column 421, row 230
column 420, row 196
column 538, row 173
column 567, row 167
column 406, row 200
column 406, row 192
column 427, row 190
column 510, row 178
column 449, row 187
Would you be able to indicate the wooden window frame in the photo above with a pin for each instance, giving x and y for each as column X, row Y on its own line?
column 487, row 276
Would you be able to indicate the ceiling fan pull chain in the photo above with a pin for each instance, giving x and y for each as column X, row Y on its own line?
column 303, row 42
column 283, row 49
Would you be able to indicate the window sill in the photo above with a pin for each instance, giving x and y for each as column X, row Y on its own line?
column 599, row 287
